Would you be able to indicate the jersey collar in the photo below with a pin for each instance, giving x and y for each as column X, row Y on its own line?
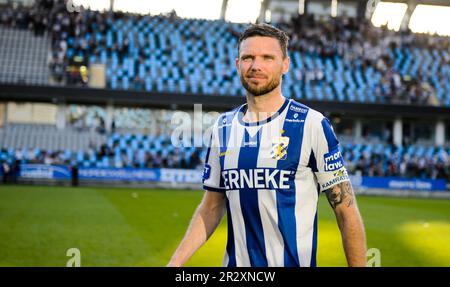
column 243, row 109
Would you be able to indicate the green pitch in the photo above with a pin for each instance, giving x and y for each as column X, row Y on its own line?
column 138, row 227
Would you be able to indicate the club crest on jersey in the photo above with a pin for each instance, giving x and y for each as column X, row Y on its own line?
column 279, row 148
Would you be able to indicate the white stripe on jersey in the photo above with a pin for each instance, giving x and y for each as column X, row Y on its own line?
column 231, row 159
column 273, row 239
column 240, row 241
column 267, row 199
column 232, row 154
column 305, row 211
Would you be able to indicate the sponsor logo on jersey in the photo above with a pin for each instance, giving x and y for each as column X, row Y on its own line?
column 338, row 176
column 294, row 121
column 224, row 153
column 225, row 122
column 298, row 109
column 333, row 160
column 224, row 125
column 340, row 172
column 264, row 178
column 294, row 118
column 206, row 172
column 251, row 143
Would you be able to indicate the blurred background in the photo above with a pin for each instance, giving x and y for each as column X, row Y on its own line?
column 102, row 149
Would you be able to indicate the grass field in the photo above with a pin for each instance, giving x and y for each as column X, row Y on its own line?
column 139, row 227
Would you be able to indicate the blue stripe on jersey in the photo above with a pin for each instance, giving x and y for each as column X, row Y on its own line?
column 314, row 246
column 224, row 131
column 231, row 251
column 293, row 129
column 248, row 158
column 329, row 134
column 312, row 163
column 206, row 160
column 209, row 148
column 215, row 189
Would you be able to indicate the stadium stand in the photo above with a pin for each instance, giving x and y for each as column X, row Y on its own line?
column 23, row 57
column 141, row 138
column 118, row 151
column 47, row 137
column 339, row 59
column 389, row 160
column 147, row 151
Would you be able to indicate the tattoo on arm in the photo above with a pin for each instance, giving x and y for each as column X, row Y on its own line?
column 340, row 193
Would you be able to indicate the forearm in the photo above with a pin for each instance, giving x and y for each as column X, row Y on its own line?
column 343, row 202
column 353, row 239
column 204, row 222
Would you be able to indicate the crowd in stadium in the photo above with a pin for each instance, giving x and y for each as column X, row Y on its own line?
column 399, row 164
column 356, row 41
column 177, row 158
column 362, row 46
column 385, row 60
column 376, row 61
column 374, row 165
column 157, row 151
column 16, row 15
column 141, row 138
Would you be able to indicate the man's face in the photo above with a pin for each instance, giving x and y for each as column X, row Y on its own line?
column 261, row 65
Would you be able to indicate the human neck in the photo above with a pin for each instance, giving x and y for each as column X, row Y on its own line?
column 263, row 107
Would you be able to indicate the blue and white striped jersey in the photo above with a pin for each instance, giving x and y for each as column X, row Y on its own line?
column 272, row 172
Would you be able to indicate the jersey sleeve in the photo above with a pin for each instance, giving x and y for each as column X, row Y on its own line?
column 211, row 172
column 330, row 169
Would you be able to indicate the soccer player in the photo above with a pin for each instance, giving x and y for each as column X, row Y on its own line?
column 267, row 163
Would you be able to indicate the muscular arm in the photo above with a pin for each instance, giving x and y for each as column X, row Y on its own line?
column 205, row 220
column 343, row 202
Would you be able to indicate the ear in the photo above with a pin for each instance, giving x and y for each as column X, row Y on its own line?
column 286, row 64
column 237, row 66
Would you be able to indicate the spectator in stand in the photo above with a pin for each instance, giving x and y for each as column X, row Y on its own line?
column 357, row 41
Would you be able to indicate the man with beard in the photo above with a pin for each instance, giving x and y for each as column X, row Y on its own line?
column 266, row 165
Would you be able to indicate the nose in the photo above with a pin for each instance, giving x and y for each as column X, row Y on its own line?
column 256, row 64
